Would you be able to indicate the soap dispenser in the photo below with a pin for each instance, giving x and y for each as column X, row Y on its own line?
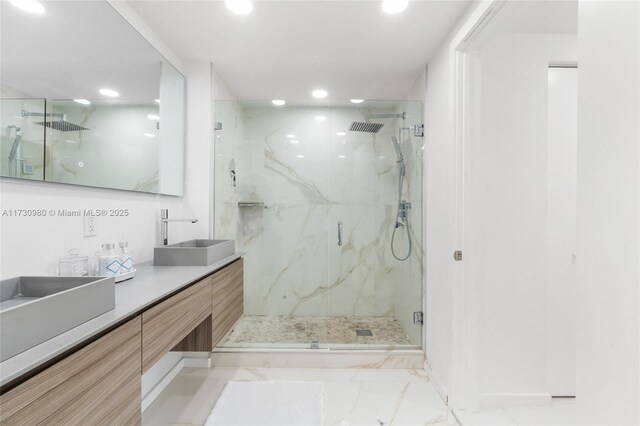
column 125, row 257
column 108, row 263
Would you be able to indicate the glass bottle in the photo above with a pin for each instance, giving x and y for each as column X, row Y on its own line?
column 108, row 263
column 125, row 257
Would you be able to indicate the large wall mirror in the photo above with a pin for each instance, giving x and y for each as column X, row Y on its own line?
column 86, row 100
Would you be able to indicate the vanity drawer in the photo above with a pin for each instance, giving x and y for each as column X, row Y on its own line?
column 168, row 323
column 98, row 384
column 227, row 299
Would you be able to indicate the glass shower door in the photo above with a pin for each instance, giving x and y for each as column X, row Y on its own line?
column 272, row 184
column 372, row 296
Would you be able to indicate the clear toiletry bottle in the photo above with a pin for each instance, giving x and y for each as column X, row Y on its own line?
column 74, row 265
column 108, row 263
column 126, row 258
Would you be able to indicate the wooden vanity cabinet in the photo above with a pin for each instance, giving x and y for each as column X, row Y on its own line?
column 98, row 384
column 227, row 299
column 165, row 325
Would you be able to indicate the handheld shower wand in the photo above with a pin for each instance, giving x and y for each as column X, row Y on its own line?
column 402, row 214
column 13, row 154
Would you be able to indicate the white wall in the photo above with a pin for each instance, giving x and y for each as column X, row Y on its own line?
column 609, row 213
column 198, row 184
column 439, row 187
column 562, row 273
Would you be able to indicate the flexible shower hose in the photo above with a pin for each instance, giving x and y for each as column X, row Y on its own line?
column 395, row 228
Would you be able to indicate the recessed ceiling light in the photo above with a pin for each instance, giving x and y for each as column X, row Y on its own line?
column 320, row 118
column 150, row 135
column 82, row 101
column 293, row 141
column 239, row 7
column 394, row 6
column 300, row 156
column 109, row 92
column 153, row 117
column 278, row 102
column 341, row 133
column 319, row 94
column 31, row 6
column 157, row 101
column 291, row 136
column 342, row 156
column 357, row 101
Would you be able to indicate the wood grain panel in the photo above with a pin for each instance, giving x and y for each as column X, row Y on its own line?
column 199, row 340
column 227, row 299
column 98, row 384
column 170, row 321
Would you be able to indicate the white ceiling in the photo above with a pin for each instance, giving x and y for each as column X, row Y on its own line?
column 531, row 17
column 284, row 49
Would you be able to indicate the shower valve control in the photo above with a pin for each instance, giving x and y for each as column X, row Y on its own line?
column 418, row 130
column 403, row 212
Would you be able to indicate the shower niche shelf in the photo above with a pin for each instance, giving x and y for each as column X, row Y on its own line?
column 251, row 204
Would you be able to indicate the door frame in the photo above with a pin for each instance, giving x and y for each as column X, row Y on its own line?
column 464, row 389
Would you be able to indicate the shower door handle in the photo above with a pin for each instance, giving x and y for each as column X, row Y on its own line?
column 339, row 233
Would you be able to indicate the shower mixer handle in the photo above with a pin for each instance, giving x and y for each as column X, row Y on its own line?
column 403, row 213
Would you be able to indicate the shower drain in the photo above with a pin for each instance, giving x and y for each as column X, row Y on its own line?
column 364, row 332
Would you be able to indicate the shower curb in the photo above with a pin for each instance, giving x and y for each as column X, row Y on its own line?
column 317, row 358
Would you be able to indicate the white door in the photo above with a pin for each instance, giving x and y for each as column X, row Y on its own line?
column 561, row 214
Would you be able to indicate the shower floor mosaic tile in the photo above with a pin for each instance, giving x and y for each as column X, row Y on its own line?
column 282, row 330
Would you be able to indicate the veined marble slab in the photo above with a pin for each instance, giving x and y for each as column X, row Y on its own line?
column 294, row 265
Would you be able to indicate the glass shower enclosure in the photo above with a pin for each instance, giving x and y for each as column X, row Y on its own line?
column 312, row 194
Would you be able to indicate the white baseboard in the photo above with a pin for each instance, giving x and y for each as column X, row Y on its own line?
column 194, row 361
column 197, row 362
column 511, row 399
column 437, row 383
column 162, row 384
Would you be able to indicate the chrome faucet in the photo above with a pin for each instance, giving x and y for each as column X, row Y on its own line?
column 164, row 225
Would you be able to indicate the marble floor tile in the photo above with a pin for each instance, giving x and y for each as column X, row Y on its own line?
column 561, row 411
column 558, row 412
column 384, row 403
column 485, row 417
column 362, row 397
column 283, row 330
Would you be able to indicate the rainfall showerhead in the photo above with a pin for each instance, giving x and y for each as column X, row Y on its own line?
column 358, row 126
column 368, row 127
column 59, row 123
column 62, row 125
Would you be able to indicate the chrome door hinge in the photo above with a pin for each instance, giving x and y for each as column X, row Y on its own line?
column 418, row 318
column 457, row 255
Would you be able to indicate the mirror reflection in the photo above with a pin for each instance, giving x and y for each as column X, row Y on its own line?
column 95, row 105
column 21, row 139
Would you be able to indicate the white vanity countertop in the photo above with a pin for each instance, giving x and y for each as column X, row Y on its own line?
column 151, row 284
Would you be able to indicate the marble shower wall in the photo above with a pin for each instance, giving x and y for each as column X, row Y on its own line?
column 308, row 183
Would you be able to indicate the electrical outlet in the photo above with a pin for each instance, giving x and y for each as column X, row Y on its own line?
column 90, row 226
